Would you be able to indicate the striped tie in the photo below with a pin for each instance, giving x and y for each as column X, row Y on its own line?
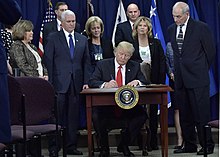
column 179, row 39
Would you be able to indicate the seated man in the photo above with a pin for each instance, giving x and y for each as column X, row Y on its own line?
column 106, row 75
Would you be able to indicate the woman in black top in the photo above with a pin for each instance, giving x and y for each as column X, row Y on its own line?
column 99, row 48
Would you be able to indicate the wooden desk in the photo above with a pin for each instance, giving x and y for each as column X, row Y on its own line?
column 147, row 95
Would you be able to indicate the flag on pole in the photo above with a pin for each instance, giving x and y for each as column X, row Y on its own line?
column 90, row 12
column 121, row 17
column 90, row 8
column 49, row 16
column 158, row 33
column 213, row 84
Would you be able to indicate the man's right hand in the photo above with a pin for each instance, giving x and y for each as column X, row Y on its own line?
column 111, row 84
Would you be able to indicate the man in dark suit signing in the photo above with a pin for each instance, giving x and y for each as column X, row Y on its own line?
column 67, row 60
column 55, row 25
column 106, row 76
column 194, row 52
column 124, row 30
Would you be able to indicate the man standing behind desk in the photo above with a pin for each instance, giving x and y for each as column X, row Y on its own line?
column 55, row 25
column 194, row 52
column 67, row 60
column 106, row 75
column 124, row 30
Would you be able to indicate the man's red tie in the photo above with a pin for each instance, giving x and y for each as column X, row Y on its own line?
column 119, row 76
column 119, row 82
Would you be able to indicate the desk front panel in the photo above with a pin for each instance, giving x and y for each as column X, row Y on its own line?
column 109, row 99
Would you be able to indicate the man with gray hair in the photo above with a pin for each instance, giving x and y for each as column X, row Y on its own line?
column 194, row 52
column 55, row 25
column 68, row 62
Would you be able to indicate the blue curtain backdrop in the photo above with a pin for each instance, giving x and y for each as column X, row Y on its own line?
column 107, row 10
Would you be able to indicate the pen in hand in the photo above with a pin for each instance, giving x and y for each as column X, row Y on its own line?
column 112, row 83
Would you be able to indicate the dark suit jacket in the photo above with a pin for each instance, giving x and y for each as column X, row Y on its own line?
column 9, row 14
column 105, row 70
column 52, row 27
column 158, row 66
column 123, row 33
column 61, row 68
column 191, row 67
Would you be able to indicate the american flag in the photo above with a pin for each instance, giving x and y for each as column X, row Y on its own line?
column 49, row 16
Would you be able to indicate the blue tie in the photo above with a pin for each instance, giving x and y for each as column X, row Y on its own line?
column 71, row 45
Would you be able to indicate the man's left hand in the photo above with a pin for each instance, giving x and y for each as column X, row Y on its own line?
column 133, row 83
column 85, row 86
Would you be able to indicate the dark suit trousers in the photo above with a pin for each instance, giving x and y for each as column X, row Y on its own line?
column 194, row 112
column 132, row 121
column 68, row 114
column 153, row 124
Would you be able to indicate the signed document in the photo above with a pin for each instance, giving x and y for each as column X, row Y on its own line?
column 156, row 85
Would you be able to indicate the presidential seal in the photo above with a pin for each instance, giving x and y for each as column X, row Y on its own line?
column 126, row 97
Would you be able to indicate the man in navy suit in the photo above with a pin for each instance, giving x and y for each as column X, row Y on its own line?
column 192, row 61
column 124, row 30
column 55, row 25
column 9, row 14
column 67, row 60
column 104, row 76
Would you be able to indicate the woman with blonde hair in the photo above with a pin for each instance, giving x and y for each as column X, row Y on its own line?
column 23, row 54
column 99, row 48
column 149, row 53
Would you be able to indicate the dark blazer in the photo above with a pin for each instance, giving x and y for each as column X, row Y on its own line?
column 52, row 27
column 158, row 64
column 123, row 33
column 9, row 14
column 192, row 66
column 107, row 48
column 105, row 70
column 61, row 68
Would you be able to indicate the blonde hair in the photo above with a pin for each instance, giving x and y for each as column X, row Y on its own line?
column 126, row 46
column 20, row 28
column 91, row 21
column 137, row 22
